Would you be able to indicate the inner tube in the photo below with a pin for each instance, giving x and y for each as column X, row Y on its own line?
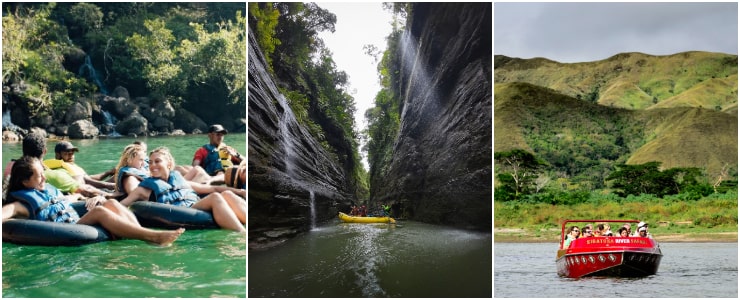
column 43, row 233
column 159, row 215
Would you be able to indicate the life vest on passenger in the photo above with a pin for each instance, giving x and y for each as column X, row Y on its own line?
column 72, row 169
column 216, row 160
column 47, row 205
column 126, row 170
column 174, row 191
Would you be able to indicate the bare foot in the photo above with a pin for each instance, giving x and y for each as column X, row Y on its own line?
column 165, row 238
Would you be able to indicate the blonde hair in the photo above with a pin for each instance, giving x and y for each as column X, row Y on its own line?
column 167, row 154
column 128, row 153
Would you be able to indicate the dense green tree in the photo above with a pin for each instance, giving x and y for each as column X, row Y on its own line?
column 647, row 178
column 523, row 167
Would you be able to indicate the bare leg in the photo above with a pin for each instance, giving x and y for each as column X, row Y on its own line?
column 222, row 213
column 237, row 204
column 195, row 174
column 120, row 226
column 121, row 210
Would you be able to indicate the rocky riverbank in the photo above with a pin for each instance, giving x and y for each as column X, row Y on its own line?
column 114, row 115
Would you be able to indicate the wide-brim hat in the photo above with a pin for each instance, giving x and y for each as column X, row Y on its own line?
column 65, row 147
column 217, row 128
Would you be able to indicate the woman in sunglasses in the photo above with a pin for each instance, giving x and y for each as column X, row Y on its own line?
column 573, row 234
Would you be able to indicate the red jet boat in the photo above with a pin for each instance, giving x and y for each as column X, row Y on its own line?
column 608, row 255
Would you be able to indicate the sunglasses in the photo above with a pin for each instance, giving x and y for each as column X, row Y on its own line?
column 588, row 231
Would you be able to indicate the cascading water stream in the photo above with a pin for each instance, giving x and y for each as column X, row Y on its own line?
column 312, row 204
column 7, row 123
column 419, row 82
column 111, row 121
column 88, row 71
column 286, row 138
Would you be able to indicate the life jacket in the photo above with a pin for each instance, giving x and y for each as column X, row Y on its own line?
column 126, row 170
column 174, row 191
column 47, row 205
column 72, row 169
column 216, row 160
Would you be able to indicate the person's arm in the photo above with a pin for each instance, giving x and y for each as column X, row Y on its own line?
column 207, row 189
column 138, row 194
column 104, row 175
column 15, row 209
column 199, row 156
column 236, row 158
column 100, row 184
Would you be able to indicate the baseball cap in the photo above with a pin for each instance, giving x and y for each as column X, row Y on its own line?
column 641, row 224
column 217, row 128
column 65, row 147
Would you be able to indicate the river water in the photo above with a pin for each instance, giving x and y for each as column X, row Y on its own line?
column 409, row 259
column 696, row 270
column 200, row 264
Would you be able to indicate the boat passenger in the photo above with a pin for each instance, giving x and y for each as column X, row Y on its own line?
column 573, row 234
column 130, row 169
column 624, row 232
column 28, row 196
column 168, row 186
column 639, row 225
column 386, row 210
column 588, row 231
column 629, row 228
column 607, row 231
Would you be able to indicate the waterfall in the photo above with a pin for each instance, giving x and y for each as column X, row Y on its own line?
column 286, row 138
column 419, row 81
column 313, row 209
column 110, row 121
column 88, row 71
column 7, row 123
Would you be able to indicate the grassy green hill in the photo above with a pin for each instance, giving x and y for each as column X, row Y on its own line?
column 634, row 80
column 582, row 141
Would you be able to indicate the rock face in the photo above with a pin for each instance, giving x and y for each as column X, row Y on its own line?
column 441, row 166
column 288, row 169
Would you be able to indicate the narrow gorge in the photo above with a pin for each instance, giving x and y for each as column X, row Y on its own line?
column 440, row 171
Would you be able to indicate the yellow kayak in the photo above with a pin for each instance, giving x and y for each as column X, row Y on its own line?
column 350, row 219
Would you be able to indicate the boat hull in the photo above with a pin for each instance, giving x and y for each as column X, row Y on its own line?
column 610, row 256
column 619, row 264
column 352, row 219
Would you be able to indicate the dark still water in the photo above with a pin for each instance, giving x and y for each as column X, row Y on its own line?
column 686, row 270
column 409, row 259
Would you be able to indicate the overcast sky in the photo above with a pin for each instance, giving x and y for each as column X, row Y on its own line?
column 358, row 24
column 581, row 32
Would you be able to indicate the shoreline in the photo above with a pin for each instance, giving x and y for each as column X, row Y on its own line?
column 509, row 235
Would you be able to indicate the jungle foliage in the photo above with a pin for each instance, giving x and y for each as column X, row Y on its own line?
column 174, row 51
column 287, row 34
column 384, row 118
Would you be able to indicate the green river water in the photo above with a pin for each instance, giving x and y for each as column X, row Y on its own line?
column 200, row 264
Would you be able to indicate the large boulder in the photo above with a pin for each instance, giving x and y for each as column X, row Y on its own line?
column 120, row 92
column 120, row 107
column 189, row 122
column 81, row 110
column 83, row 129
column 134, row 124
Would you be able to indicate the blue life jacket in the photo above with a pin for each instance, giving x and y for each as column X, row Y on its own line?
column 215, row 161
column 174, row 191
column 129, row 171
column 47, row 205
